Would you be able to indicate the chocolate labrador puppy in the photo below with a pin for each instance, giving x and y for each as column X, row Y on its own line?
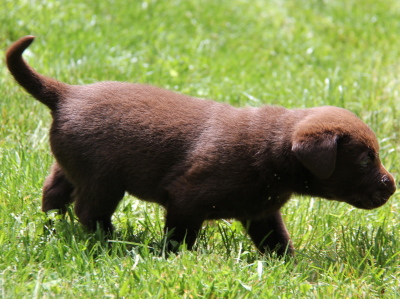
column 198, row 158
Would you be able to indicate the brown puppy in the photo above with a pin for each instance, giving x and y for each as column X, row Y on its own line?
column 198, row 158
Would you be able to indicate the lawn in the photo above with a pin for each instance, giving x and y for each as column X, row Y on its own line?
column 293, row 53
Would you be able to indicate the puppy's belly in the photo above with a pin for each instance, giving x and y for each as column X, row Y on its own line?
column 150, row 195
column 231, row 206
column 240, row 214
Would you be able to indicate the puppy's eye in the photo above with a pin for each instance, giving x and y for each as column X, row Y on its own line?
column 365, row 162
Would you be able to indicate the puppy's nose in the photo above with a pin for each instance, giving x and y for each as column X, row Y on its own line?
column 388, row 183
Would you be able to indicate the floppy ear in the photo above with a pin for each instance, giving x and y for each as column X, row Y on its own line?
column 317, row 153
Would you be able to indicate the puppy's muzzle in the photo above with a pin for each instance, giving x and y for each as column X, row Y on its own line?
column 387, row 187
column 376, row 194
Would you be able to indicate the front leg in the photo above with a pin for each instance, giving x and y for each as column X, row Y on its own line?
column 269, row 234
column 181, row 227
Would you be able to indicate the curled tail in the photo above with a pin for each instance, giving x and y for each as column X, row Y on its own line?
column 47, row 90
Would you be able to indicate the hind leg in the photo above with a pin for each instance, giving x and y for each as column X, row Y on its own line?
column 57, row 191
column 95, row 204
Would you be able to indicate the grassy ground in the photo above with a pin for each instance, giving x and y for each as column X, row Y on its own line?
column 293, row 53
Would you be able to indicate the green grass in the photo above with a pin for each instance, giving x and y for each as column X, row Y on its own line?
column 292, row 53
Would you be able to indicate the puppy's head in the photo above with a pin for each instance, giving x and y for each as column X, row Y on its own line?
column 341, row 154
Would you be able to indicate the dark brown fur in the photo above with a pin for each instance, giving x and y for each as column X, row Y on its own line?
column 198, row 158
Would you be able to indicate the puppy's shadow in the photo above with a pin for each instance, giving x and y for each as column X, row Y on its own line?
column 142, row 242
